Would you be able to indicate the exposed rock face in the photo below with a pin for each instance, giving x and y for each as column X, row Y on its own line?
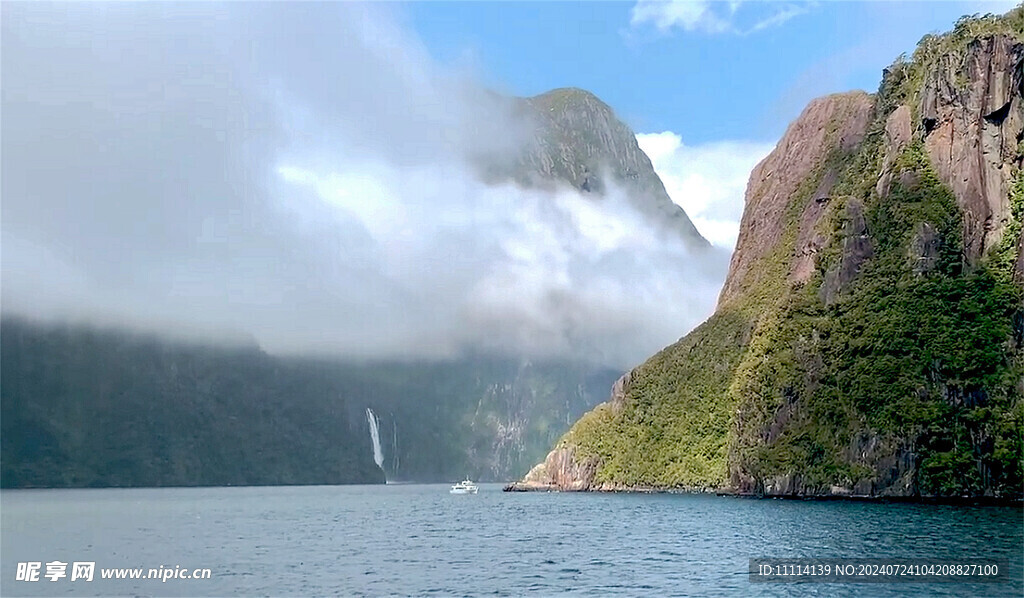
column 924, row 248
column 836, row 122
column 855, row 248
column 560, row 472
column 868, row 338
column 619, row 389
column 517, row 418
column 898, row 134
column 973, row 118
column 895, row 463
column 1018, row 270
column 577, row 139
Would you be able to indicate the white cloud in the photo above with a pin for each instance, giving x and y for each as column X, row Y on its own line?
column 504, row 268
column 713, row 16
column 690, row 15
column 195, row 168
column 708, row 181
column 779, row 17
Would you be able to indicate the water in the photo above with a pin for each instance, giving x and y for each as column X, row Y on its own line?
column 418, row 539
column 378, row 454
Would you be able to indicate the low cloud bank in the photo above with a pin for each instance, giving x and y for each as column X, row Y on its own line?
column 305, row 175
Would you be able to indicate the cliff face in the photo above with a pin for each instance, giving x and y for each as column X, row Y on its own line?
column 91, row 408
column 972, row 117
column 868, row 339
column 488, row 418
column 563, row 469
column 828, row 125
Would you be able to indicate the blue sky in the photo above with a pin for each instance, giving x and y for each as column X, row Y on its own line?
column 702, row 79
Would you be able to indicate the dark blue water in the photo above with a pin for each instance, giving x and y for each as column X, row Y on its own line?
column 416, row 540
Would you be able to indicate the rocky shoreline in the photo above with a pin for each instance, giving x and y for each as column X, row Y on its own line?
column 565, row 471
column 522, row 486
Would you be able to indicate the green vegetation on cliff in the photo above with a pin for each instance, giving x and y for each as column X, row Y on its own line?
column 892, row 366
column 90, row 408
column 919, row 359
column 670, row 432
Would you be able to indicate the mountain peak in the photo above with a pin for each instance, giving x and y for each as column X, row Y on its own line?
column 576, row 139
column 568, row 97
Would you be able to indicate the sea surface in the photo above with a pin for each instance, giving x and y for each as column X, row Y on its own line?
column 420, row 540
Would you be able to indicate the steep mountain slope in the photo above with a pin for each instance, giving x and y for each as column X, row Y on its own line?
column 868, row 338
column 577, row 139
column 88, row 407
column 485, row 417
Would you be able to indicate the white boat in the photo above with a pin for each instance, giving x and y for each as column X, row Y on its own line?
column 464, row 487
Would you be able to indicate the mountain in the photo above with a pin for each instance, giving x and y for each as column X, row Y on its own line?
column 82, row 406
column 867, row 340
column 576, row 138
column 90, row 407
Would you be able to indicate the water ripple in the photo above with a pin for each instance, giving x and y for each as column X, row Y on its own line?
column 419, row 540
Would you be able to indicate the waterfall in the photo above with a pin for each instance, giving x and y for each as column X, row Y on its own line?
column 378, row 455
column 394, row 445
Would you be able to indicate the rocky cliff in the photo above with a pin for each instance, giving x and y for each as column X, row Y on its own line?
column 828, row 125
column 868, row 339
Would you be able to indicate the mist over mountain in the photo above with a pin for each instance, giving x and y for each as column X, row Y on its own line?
column 313, row 180
column 232, row 233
